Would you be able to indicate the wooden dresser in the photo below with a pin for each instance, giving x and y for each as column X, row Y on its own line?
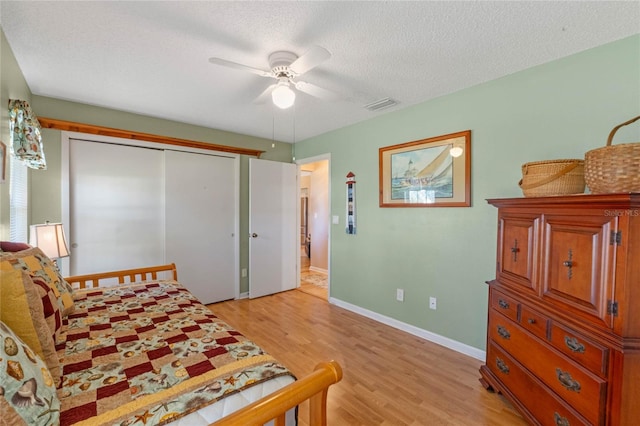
column 563, row 333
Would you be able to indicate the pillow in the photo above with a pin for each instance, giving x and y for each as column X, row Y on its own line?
column 37, row 264
column 11, row 246
column 27, row 386
column 50, row 307
column 21, row 310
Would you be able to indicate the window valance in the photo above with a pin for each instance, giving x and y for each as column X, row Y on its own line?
column 26, row 138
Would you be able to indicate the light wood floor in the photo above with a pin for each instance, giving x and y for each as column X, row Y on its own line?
column 307, row 287
column 313, row 290
column 390, row 377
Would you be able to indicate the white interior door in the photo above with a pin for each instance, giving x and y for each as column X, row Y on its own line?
column 201, row 212
column 116, row 194
column 273, row 227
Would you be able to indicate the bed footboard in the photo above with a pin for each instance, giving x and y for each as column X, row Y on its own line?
column 124, row 276
column 313, row 387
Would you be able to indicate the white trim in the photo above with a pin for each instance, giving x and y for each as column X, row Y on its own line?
column 236, row 225
column 243, row 295
column 316, row 269
column 321, row 157
column 65, row 263
column 411, row 329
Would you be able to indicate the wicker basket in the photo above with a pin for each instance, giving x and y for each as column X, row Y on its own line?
column 613, row 168
column 554, row 177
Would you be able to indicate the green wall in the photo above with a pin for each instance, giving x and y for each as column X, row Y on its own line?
column 557, row 110
column 12, row 86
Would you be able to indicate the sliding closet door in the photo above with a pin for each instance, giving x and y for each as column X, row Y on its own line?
column 201, row 217
column 116, row 197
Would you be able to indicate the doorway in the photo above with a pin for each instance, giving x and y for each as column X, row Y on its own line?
column 314, row 210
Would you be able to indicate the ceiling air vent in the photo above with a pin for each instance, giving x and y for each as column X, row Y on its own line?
column 381, row 104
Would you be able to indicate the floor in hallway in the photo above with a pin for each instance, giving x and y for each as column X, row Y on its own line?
column 312, row 282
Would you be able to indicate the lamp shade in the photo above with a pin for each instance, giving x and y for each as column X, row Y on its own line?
column 283, row 97
column 49, row 237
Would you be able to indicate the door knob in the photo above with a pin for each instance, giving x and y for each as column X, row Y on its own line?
column 254, row 235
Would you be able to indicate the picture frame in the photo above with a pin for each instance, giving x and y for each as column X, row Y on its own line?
column 433, row 172
column 3, row 162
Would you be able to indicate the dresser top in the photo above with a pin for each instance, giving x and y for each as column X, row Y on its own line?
column 594, row 200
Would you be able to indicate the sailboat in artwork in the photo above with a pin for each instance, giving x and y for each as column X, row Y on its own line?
column 438, row 171
column 435, row 180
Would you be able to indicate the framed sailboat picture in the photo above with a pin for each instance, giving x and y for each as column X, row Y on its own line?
column 434, row 172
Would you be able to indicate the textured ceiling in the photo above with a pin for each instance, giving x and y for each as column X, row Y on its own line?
column 151, row 57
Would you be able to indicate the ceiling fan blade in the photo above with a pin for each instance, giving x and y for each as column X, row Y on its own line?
column 265, row 96
column 318, row 92
column 314, row 57
column 237, row 66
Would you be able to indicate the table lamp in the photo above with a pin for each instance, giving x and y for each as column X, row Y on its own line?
column 49, row 237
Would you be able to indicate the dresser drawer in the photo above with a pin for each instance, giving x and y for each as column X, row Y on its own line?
column 541, row 402
column 582, row 389
column 504, row 304
column 534, row 322
column 580, row 349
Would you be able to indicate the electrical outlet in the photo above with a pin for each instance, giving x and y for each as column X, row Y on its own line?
column 432, row 303
column 400, row 295
column 244, row 272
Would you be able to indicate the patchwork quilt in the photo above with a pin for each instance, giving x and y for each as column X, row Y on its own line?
column 149, row 353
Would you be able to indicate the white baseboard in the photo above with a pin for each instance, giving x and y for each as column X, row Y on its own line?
column 411, row 329
column 316, row 269
column 244, row 295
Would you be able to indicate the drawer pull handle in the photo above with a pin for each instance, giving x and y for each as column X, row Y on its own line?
column 560, row 421
column 531, row 320
column 503, row 304
column 567, row 381
column 504, row 333
column 569, row 264
column 502, row 366
column 573, row 344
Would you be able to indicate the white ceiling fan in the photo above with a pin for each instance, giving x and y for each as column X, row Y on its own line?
column 286, row 67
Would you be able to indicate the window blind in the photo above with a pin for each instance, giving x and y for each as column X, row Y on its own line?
column 18, row 196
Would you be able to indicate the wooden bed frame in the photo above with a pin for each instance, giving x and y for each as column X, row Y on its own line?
column 313, row 387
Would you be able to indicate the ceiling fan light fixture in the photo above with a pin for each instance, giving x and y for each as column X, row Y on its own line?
column 283, row 97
